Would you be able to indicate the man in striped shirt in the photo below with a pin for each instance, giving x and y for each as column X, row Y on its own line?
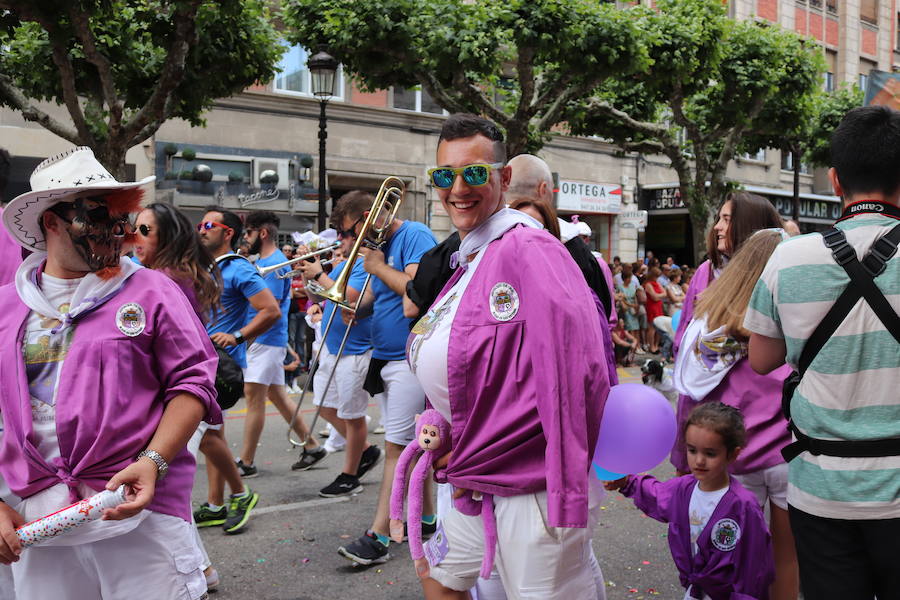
column 845, row 512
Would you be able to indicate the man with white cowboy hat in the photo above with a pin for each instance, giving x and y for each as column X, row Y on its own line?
column 106, row 372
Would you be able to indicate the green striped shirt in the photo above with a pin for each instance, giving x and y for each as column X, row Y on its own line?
column 851, row 391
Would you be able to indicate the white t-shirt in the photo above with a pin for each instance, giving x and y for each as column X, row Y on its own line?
column 428, row 350
column 702, row 506
column 44, row 353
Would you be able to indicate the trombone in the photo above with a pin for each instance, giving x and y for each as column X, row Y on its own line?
column 389, row 198
column 263, row 271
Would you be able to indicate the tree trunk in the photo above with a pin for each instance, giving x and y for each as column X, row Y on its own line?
column 795, row 157
column 112, row 156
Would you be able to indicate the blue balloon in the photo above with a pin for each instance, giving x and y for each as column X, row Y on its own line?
column 604, row 475
column 676, row 318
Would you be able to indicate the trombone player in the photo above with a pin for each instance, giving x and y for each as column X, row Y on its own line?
column 391, row 267
column 344, row 402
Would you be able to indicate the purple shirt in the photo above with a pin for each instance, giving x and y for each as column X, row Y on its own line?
column 527, row 390
column 734, row 551
column 758, row 397
column 113, row 389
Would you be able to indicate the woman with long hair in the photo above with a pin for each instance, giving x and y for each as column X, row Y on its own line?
column 654, row 307
column 719, row 306
column 167, row 241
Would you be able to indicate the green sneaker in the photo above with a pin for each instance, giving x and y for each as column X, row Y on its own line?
column 239, row 511
column 205, row 517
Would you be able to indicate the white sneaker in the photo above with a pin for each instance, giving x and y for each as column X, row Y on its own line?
column 212, row 580
column 331, row 448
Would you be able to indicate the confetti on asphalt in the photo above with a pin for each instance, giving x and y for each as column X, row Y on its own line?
column 652, row 592
column 646, row 562
column 632, row 591
column 305, row 560
column 378, row 570
column 260, row 560
column 610, row 584
column 345, row 537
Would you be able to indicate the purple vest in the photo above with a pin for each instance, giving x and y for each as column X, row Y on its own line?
column 113, row 388
column 734, row 558
column 527, row 376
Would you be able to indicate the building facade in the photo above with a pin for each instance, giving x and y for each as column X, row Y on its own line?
column 261, row 146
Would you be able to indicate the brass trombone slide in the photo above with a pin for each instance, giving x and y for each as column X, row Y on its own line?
column 263, row 271
column 391, row 187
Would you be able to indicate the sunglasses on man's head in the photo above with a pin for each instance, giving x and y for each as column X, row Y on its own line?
column 208, row 225
column 474, row 175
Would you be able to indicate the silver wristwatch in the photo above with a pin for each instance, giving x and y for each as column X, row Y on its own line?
column 162, row 467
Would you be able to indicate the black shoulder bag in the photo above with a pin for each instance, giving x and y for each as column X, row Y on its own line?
column 862, row 285
column 229, row 375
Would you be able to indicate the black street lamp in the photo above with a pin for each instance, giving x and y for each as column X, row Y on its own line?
column 322, row 68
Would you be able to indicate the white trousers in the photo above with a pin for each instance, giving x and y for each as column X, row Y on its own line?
column 157, row 560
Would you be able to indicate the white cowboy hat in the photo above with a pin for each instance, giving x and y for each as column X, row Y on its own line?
column 66, row 176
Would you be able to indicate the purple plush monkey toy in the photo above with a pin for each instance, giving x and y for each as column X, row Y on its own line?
column 432, row 439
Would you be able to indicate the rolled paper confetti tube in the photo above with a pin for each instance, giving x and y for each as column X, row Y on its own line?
column 66, row 519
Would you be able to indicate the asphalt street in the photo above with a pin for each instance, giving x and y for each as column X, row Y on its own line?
column 289, row 549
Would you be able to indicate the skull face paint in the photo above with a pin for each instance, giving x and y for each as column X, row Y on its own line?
column 97, row 235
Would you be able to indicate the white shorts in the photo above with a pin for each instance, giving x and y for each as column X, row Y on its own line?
column 158, row 555
column 346, row 392
column 771, row 483
column 403, row 400
column 535, row 562
column 265, row 364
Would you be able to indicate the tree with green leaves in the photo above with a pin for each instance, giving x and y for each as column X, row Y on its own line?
column 807, row 140
column 519, row 62
column 712, row 81
column 123, row 67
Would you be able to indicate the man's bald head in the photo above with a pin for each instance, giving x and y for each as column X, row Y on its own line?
column 531, row 179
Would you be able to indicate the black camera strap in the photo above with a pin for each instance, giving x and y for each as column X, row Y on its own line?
column 862, row 285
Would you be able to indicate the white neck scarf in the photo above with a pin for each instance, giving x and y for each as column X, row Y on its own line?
column 90, row 293
column 705, row 358
column 497, row 224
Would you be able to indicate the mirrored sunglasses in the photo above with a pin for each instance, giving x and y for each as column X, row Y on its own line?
column 474, row 175
column 207, row 225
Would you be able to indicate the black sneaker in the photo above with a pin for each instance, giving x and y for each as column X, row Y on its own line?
column 247, row 471
column 308, row 459
column 343, row 485
column 204, row 517
column 367, row 550
column 239, row 511
column 370, row 457
column 428, row 530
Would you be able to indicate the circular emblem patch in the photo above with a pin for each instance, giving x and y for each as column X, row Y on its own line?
column 504, row 301
column 130, row 319
column 725, row 534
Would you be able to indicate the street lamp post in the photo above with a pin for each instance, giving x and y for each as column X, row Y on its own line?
column 322, row 68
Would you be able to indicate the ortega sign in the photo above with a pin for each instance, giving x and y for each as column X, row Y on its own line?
column 587, row 197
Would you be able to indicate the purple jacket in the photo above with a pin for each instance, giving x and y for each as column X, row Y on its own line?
column 758, row 397
column 734, row 551
column 527, row 393
column 112, row 392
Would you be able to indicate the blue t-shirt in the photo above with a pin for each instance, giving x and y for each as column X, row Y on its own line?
column 389, row 327
column 240, row 281
column 277, row 335
column 360, row 338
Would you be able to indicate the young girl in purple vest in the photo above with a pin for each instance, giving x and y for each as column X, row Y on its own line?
column 717, row 532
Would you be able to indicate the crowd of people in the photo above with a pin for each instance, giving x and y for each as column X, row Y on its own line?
column 125, row 324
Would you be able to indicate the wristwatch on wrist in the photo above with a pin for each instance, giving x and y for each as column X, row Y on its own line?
column 162, row 467
column 238, row 336
column 317, row 275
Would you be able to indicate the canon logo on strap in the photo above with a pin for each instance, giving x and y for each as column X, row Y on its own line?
column 866, row 206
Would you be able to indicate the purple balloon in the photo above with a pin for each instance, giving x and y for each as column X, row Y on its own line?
column 637, row 430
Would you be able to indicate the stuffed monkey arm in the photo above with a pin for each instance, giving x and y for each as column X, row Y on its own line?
column 415, row 499
column 399, row 486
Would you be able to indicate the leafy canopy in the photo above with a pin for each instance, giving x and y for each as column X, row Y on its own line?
column 122, row 67
column 518, row 62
